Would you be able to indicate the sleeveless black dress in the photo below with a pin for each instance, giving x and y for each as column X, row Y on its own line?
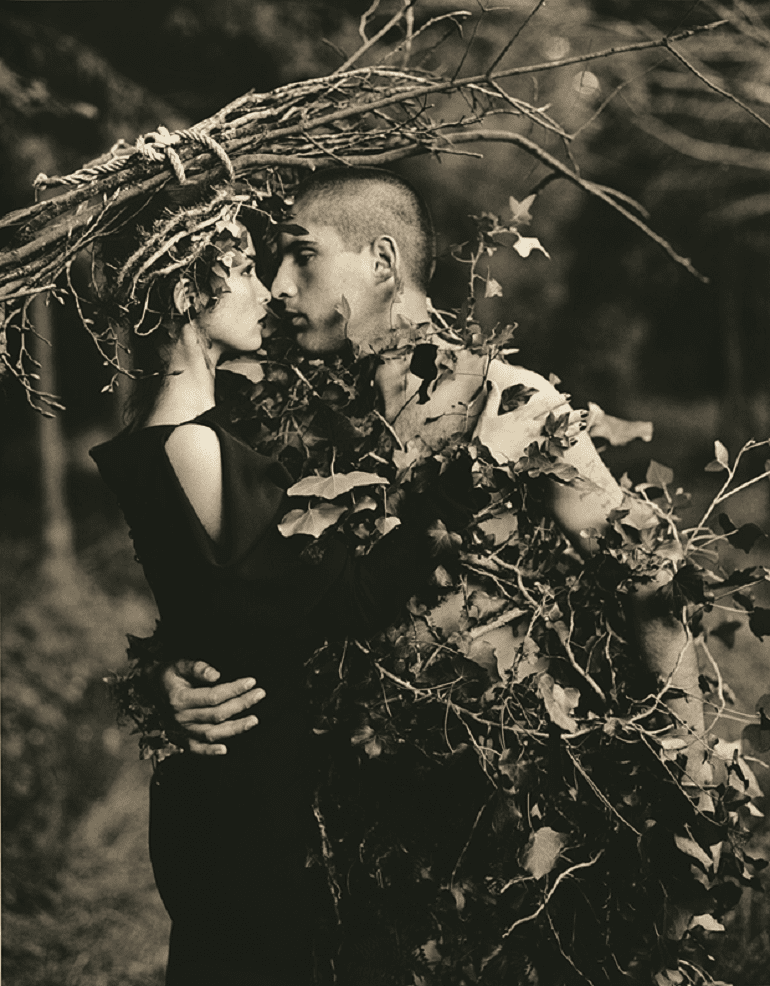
column 229, row 834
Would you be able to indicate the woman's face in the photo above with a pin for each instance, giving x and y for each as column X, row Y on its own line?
column 234, row 324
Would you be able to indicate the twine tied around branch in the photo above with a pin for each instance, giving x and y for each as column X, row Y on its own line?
column 156, row 146
column 160, row 144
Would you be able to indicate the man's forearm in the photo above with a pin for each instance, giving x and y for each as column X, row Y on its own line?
column 668, row 650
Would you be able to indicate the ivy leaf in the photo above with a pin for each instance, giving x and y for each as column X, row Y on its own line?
column 520, row 214
column 443, row 540
column 526, row 244
column 559, row 703
column 763, row 708
column 330, row 487
column 679, row 912
column 536, row 462
column 746, row 537
column 386, row 524
column 691, row 848
column 507, row 649
column 441, row 577
column 481, row 604
column 759, row 622
column 483, row 654
column 218, row 285
column 291, row 229
column 343, row 309
column 743, row 537
column 616, row 430
column 689, row 581
column 726, row 632
column 423, row 362
column 707, row 922
column 659, row 475
column 423, row 365
column 529, row 661
column 493, row 289
column 312, row 521
column 741, row 576
column 249, row 368
column 755, row 740
column 543, row 851
column 721, row 454
column 415, row 451
column 515, row 396
column 721, row 460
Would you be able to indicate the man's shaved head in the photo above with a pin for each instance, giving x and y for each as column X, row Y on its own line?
column 361, row 204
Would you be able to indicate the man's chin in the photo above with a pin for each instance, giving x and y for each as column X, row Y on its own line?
column 310, row 344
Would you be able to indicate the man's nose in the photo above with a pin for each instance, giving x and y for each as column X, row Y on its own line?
column 283, row 285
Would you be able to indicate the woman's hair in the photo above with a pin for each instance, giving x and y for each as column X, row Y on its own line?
column 188, row 239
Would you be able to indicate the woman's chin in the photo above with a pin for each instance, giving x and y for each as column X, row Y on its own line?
column 254, row 342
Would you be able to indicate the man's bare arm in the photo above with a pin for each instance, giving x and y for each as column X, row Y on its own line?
column 581, row 509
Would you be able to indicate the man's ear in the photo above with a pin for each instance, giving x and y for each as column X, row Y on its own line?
column 386, row 258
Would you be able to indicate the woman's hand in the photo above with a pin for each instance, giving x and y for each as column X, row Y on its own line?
column 205, row 711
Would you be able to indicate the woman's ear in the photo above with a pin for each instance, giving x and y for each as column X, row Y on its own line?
column 386, row 257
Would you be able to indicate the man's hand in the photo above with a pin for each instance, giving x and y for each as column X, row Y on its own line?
column 205, row 710
column 508, row 436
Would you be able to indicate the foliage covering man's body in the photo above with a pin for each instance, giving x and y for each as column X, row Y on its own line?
column 411, row 685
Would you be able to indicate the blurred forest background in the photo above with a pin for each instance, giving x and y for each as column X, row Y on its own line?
column 610, row 314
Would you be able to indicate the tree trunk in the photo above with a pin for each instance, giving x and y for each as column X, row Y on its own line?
column 736, row 416
column 56, row 528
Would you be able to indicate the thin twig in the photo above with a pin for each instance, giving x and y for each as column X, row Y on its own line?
column 712, row 85
column 370, row 42
column 598, row 792
column 562, row 876
column 516, row 34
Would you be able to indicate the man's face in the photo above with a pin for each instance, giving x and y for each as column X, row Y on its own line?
column 329, row 289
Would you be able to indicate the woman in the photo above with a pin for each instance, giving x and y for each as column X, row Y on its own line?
column 229, row 835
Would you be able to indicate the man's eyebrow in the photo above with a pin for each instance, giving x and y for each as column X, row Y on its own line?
column 295, row 246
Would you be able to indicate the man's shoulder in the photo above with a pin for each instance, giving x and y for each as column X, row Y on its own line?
column 507, row 375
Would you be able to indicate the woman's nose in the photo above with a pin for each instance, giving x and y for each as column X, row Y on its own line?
column 261, row 292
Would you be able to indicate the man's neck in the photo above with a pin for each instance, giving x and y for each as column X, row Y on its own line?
column 410, row 307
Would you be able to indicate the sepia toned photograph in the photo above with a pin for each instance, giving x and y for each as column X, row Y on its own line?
column 385, row 456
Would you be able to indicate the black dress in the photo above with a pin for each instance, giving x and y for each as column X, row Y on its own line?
column 229, row 834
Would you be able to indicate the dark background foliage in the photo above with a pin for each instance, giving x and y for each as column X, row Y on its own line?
column 610, row 314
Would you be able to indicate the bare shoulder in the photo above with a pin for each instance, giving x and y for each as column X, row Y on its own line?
column 193, row 446
column 195, row 456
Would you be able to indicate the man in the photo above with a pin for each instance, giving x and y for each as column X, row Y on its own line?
column 361, row 268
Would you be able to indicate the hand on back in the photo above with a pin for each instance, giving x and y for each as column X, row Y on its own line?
column 209, row 713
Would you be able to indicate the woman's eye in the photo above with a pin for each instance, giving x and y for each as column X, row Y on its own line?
column 305, row 257
column 248, row 271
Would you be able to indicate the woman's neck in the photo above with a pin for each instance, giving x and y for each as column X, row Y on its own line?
column 188, row 389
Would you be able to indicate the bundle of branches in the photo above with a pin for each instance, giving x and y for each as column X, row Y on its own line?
column 373, row 115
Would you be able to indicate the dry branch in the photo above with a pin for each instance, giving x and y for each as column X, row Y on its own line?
column 359, row 116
